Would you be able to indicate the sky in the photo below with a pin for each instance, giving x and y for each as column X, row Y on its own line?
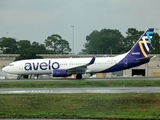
column 35, row 20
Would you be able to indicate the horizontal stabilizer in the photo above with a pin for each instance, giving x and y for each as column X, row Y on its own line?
column 153, row 56
column 145, row 58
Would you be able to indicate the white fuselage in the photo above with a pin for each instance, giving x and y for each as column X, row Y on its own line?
column 46, row 66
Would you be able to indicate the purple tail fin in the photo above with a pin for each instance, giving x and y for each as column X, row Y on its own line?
column 142, row 46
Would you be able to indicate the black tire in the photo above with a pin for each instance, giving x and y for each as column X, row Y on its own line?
column 79, row 76
column 18, row 78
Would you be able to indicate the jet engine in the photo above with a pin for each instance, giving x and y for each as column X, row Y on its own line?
column 60, row 73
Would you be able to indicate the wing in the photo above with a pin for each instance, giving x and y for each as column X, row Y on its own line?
column 82, row 68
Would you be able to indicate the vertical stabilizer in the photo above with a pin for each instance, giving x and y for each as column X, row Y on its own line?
column 142, row 46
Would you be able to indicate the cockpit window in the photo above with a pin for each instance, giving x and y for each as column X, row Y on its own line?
column 11, row 64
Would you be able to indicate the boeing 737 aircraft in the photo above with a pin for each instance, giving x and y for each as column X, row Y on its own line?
column 63, row 67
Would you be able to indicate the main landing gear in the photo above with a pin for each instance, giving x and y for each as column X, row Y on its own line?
column 79, row 76
column 18, row 77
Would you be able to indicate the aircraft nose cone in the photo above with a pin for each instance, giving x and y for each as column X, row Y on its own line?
column 4, row 69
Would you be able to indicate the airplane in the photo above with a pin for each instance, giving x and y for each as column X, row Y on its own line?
column 63, row 67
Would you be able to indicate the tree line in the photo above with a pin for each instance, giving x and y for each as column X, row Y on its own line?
column 105, row 41
column 54, row 44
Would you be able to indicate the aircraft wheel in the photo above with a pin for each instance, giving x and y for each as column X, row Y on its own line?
column 18, row 78
column 79, row 76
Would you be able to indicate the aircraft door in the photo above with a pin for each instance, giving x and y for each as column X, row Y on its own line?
column 20, row 66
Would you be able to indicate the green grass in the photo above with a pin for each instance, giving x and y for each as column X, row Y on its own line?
column 80, row 105
column 80, row 83
column 86, row 105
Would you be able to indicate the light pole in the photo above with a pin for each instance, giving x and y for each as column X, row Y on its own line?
column 72, row 39
column 111, row 51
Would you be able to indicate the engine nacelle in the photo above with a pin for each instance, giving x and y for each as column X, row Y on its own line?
column 60, row 73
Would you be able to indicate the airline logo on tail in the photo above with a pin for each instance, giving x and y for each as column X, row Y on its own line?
column 142, row 46
column 146, row 40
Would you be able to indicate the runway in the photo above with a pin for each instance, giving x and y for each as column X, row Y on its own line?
column 80, row 90
column 88, row 79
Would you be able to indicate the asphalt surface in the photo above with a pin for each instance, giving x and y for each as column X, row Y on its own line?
column 81, row 90
column 65, row 79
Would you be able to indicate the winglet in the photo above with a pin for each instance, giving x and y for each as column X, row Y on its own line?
column 92, row 61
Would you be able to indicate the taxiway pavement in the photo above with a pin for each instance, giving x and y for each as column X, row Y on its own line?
column 80, row 90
